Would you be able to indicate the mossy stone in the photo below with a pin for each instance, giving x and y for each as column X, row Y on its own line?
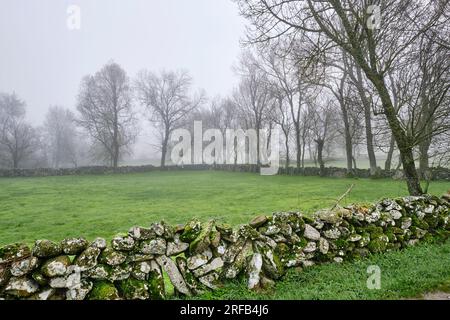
column 191, row 231
column 103, row 290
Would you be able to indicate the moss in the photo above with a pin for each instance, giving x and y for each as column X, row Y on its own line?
column 422, row 224
column 202, row 241
column 132, row 289
column 377, row 245
column 103, row 290
column 156, row 286
column 374, row 230
column 191, row 231
column 14, row 250
column 39, row 278
column 341, row 244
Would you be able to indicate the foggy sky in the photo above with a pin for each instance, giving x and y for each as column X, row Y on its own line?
column 43, row 61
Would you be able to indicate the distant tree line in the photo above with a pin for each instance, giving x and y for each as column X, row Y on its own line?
column 315, row 70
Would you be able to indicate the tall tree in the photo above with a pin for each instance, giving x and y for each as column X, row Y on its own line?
column 167, row 99
column 375, row 47
column 17, row 137
column 254, row 96
column 60, row 132
column 106, row 111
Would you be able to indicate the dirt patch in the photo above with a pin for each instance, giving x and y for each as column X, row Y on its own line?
column 438, row 295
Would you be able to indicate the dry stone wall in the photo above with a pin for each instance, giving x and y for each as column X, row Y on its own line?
column 202, row 256
column 437, row 173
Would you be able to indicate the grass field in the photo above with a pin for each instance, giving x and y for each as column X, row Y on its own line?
column 404, row 274
column 58, row 207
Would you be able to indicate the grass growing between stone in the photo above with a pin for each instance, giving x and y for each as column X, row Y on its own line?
column 404, row 274
column 55, row 208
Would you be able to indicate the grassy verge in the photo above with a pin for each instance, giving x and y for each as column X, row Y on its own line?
column 404, row 274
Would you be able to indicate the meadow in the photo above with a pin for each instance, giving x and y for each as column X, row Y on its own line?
column 58, row 207
column 69, row 206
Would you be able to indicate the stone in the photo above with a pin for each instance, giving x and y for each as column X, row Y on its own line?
column 189, row 278
column 329, row 216
column 103, row 290
column 311, row 233
column 46, row 249
column 44, row 295
column 139, row 257
column 141, row 270
column 99, row 243
column 112, row 257
column 120, row 272
column 156, row 285
column 4, row 275
column 406, row 222
column 210, row 280
column 272, row 230
column 80, row 291
column 176, row 247
column 123, row 243
column 140, row 233
column 56, row 267
column 338, row 259
column 191, row 231
column 20, row 268
column 258, row 221
column 395, row 214
column 155, row 247
column 14, row 251
column 373, row 217
column 21, row 287
column 88, row 258
column 74, row 246
column 58, row 283
column 215, row 239
column 324, row 246
column 254, row 271
column 272, row 264
column 99, row 272
column 307, row 263
column 333, row 233
column 215, row 264
column 354, row 237
column 198, row 260
column 174, row 274
column 232, row 270
column 310, row 247
column 203, row 240
column 158, row 228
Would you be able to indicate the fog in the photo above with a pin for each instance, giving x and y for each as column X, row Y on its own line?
column 43, row 61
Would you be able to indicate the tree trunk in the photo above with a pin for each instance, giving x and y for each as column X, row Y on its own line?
column 424, row 160
column 164, row 147
column 368, row 123
column 405, row 146
column 320, row 144
column 388, row 163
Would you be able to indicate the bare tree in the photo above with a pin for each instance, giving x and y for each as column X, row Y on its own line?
column 254, row 96
column 168, row 101
column 16, row 136
column 324, row 126
column 61, row 135
column 106, row 111
column 376, row 49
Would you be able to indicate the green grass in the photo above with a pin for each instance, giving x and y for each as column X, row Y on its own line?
column 404, row 274
column 58, row 207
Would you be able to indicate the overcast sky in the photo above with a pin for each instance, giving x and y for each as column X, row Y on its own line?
column 43, row 61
